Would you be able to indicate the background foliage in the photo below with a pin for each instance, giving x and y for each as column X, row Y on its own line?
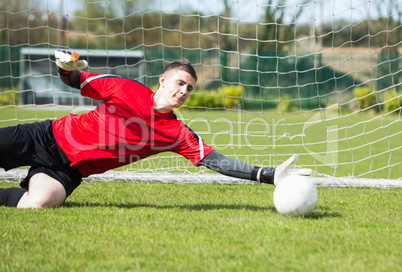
column 271, row 58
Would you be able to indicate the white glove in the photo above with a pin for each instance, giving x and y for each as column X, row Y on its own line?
column 68, row 60
column 284, row 170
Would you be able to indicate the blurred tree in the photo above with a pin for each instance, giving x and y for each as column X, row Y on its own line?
column 224, row 31
column 273, row 32
column 224, row 24
column 133, row 23
column 97, row 18
column 22, row 22
column 389, row 72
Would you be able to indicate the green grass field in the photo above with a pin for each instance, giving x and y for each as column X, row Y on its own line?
column 200, row 227
column 195, row 227
column 367, row 145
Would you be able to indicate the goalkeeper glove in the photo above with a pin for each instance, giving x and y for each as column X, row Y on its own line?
column 67, row 61
column 274, row 176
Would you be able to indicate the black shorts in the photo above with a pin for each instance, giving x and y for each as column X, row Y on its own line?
column 34, row 145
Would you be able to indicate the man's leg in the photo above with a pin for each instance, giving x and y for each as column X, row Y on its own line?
column 11, row 196
column 43, row 192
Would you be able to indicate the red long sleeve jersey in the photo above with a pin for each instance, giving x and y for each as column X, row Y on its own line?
column 123, row 129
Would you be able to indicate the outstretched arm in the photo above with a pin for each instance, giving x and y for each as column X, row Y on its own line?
column 236, row 168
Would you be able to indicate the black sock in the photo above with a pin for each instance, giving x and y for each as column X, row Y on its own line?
column 11, row 196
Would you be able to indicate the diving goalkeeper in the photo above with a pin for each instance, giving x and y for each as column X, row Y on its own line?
column 130, row 124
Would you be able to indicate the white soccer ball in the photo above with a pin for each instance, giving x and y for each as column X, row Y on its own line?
column 295, row 195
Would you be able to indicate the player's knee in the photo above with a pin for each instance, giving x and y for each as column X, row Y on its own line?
column 40, row 202
column 44, row 192
column 32, row 204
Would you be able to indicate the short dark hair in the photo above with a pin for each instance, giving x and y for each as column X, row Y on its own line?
column 183, row 65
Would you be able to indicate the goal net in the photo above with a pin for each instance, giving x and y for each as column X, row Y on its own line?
column 321, row 79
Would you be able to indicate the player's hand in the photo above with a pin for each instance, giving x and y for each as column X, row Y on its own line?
column 68, row 60
column 285, row 170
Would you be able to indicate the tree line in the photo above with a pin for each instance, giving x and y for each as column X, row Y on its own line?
column 124, row 25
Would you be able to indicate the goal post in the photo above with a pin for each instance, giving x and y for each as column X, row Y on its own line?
column 315, row 78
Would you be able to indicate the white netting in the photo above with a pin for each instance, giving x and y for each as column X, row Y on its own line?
column 321, row 79
column 127, row 176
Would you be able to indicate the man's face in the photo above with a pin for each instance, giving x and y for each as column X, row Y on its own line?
column 176, row 86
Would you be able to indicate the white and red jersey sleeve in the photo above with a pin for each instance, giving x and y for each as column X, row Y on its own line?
column 100, row 87
column 191, row 146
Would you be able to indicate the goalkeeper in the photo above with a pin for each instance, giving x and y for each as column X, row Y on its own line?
column 130, row 124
